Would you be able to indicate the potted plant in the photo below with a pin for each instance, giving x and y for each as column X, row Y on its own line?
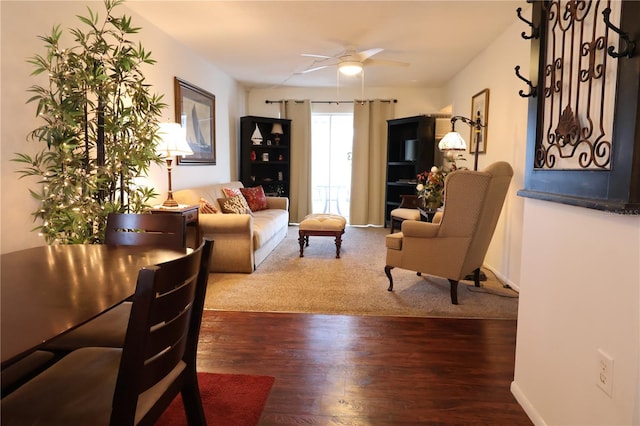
column 100, row 125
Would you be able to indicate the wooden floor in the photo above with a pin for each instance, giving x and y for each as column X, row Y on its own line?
column 362, row 370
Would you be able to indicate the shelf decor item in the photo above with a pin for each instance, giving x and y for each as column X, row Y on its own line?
column 256, row 136
column 276, row 131
column 196, row 111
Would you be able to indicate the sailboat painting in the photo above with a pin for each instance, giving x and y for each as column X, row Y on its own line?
column 195, row 111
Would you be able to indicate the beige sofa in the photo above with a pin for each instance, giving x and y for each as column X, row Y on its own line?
column 241, row 241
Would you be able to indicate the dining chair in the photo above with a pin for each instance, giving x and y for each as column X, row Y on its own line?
column 132, row 229
column 455, row 243
column 135, row 384
column 108, row 329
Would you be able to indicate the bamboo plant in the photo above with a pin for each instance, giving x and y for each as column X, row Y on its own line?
column 100, row 124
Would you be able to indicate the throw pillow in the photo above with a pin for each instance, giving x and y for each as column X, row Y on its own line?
column 255, row 198
column 231, row 192
column 206, row 207
column 234, row 205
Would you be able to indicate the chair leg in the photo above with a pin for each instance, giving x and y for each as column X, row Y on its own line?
column 192, row 401
column 387, row 271
column 476, row 277
column 301, row 241
column 454, row 291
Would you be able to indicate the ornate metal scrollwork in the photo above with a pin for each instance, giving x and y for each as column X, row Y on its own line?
column 576, row 87
column 630, row 45
column 532, row 89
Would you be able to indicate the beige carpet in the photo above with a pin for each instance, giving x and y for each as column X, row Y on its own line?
column 354, row 284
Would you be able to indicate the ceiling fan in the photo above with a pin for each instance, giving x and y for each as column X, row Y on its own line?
column 351, row 62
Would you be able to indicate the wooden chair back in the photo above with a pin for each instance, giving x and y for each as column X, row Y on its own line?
column 162, row 230
column 159, row 353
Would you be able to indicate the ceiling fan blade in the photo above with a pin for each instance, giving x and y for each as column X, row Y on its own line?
column 386, row 62
column 365, row 54
column 314, row 69
column 311, row 55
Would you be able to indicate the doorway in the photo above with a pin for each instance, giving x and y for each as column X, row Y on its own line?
column 331, row 144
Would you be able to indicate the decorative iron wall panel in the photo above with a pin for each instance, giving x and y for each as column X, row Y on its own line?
column 579, row 87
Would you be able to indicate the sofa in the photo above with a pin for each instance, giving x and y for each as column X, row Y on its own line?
column 241, row 241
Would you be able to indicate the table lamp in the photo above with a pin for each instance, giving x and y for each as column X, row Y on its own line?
column 277, row 131
column 173, row 141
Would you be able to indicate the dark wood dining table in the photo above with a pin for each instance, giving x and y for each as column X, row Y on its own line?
column 49, row 290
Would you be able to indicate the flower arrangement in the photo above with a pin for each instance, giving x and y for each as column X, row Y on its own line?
column 430, row 187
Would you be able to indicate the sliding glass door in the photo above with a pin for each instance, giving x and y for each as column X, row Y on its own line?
column 331, row 139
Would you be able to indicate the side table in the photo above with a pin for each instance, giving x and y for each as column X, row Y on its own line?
column 190, row 214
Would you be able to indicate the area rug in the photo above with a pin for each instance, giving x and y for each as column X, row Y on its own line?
column 227, row 399
column 355, row 284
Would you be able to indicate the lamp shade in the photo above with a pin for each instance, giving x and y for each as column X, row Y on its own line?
column 277, row 129
column 452, row 141
column 173, row 140
column 350, row 67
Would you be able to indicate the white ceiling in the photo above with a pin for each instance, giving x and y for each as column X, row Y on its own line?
column 260, row 43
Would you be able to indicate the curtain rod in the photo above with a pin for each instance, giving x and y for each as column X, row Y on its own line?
column 395, row 101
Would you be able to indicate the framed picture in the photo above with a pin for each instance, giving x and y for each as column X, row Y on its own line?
column 479, row 106
column 196, row 112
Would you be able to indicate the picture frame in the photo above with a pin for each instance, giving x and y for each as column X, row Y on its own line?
column 479, row 105
column 195, row 110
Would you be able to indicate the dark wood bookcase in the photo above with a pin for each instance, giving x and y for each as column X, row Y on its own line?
column 267, row 163
column 411, row 149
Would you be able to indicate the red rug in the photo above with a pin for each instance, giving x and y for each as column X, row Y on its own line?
column 228, row 399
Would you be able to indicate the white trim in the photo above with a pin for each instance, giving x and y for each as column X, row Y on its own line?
column 526, row 405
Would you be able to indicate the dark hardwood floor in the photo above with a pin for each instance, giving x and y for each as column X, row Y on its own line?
column 363, row 370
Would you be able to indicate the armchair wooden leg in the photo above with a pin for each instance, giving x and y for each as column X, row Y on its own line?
column 387, row 271
column 454, row 291
column 476, row 277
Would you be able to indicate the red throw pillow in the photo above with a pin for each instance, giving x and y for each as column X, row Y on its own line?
column 255, row 198
column 231, row 192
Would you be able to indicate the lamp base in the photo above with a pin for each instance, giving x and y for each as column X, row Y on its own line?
column 170, row 202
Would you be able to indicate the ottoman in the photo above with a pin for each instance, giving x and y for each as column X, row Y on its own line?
column 321, row 225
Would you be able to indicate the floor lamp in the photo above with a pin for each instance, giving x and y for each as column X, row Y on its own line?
column 453, row 140
column 173, row 142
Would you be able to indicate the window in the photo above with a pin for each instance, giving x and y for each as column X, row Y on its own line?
column 331, row 143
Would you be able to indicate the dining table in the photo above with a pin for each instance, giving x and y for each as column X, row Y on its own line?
column 47, row 291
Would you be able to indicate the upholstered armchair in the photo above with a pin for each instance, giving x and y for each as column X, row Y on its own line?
column 455, row 243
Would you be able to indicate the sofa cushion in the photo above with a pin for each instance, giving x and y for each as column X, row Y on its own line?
column 267, row 223
column 256, row 199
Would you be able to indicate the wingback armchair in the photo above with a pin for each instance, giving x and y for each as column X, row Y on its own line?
column 455, row 243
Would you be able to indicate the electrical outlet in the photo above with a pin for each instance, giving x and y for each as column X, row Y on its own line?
column 604, row 371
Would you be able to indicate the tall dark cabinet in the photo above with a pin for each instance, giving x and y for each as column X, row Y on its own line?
column 411, row 149
column 265, row 159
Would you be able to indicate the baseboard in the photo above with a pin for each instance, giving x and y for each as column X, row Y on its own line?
column 526, row 405
column 502, row 278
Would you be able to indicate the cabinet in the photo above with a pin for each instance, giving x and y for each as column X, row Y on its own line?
column 411, row 149
column 265, row 156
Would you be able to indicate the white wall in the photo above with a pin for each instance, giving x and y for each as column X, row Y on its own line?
column 580, row 293
column 22, row 22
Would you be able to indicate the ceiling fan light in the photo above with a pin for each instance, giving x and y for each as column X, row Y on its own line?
column 350, row 67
